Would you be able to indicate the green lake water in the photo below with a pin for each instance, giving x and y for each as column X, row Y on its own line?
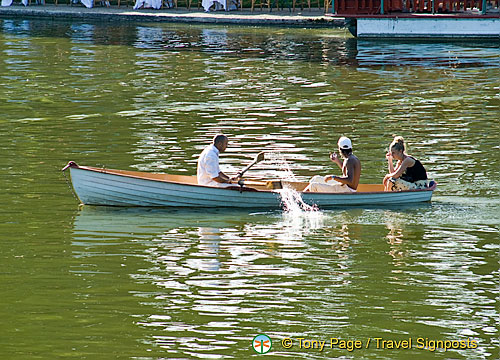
column 106, row 283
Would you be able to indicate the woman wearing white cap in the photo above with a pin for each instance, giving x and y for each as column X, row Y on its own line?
column 409, row 172
column 351, row 172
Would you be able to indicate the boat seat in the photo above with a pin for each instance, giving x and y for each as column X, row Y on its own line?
column 181, row 178
column 370, row 187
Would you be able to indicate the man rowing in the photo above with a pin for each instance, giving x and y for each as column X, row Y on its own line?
column 208, row 171
column 351, row 172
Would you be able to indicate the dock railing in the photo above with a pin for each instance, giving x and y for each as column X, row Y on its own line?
column 338, row 7
column 385, row 7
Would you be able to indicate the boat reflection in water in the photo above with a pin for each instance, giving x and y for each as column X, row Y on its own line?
column 211, row 259
column 431, row 53
column 199, row 282
column 209, row 237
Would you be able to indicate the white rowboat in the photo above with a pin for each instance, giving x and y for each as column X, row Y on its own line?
column 96, row 186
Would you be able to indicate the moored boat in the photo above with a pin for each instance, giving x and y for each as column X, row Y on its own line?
column 97, row 186
column 446, row 19
column 426, row 26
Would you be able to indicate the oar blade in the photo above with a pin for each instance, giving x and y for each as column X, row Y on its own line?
column 259, row 157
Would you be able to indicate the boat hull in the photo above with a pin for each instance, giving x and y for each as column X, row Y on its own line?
column 100, row 188
column 108, row 188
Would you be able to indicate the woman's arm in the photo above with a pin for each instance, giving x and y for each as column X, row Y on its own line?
column 390, row 163
column 401, row 167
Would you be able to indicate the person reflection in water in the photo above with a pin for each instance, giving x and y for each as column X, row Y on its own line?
column 208, row 172
column 351, row 172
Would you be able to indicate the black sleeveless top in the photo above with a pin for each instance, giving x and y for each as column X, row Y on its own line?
column 415, row 173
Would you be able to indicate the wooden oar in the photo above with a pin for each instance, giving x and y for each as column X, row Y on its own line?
column 258, row 159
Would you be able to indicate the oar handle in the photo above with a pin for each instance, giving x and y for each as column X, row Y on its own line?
column 240, row 173
column 270, row 184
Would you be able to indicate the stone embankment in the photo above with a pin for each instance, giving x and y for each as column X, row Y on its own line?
column 297, row 18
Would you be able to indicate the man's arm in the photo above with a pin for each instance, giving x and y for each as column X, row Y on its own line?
column 211, row 164
column 222, row 178
column 348, row 179
column 334, row 157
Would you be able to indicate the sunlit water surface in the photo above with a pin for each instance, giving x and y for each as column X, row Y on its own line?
column 101, row 283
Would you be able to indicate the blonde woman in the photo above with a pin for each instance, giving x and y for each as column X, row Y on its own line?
column 409, row 172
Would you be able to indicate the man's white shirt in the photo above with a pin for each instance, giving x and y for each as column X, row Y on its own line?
column 208, row 167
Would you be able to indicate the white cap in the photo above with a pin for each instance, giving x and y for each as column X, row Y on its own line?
column 345, row 143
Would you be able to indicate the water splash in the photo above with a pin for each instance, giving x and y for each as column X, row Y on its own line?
column 299, row 218
column 292, row 202
column 291, row 199
column 278, row 161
